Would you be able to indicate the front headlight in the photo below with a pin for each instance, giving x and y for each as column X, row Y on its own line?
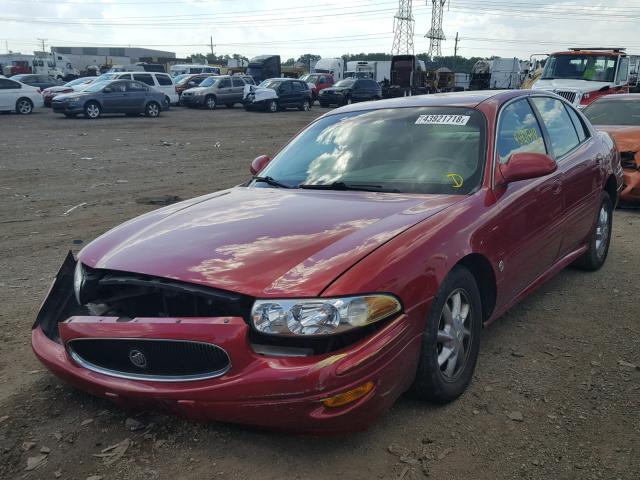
column 321, row 316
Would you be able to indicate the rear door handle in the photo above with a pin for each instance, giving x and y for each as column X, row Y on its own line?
column 556, row 187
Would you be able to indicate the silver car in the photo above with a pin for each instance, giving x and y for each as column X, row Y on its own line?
column 213, row 91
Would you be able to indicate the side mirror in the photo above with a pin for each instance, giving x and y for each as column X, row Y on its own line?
column 526, row 166
column 107, row 90
column 258, row 164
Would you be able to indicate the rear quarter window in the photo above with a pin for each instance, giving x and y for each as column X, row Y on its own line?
column 164, row 80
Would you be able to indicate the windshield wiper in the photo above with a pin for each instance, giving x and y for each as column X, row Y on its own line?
column 271, row 181
column 347, row 186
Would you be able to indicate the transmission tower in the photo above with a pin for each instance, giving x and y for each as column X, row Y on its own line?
column 435, row 33
column 403, row 29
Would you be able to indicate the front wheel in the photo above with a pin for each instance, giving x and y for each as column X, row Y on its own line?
column 24, row 106
column 210, row 102
column 600, row 238
column 451, row 339
column 272, row 106
column 152, row 110
column 92, row 110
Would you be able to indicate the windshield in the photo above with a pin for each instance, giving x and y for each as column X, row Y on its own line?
column 104, row 76
column 207, row 82
column 310, row 78
column 272, row 84
column 96, row 86
column 598, row 68
column 180, row 78
column 614, row 112
column 413, row 150
column 77, row 81
column 345, row 83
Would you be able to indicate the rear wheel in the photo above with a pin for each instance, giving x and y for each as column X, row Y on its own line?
column 152, row 110
column 451, row 339
column 167, row 103
column 92, row 110
column 272, row 106
column 24, row 106
column 210, row 102
column 600, row 238
column 306, row 106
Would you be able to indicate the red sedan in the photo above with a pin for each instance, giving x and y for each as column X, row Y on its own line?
column 359, row 263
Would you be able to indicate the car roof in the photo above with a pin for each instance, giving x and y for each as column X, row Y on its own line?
column 469, row 99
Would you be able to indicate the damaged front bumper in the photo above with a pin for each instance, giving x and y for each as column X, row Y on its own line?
column 208, row 368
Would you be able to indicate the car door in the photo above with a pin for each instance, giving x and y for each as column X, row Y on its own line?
column 9, row 92
column 526, row 231
column 136, row 96
column 286, row 94
column 580, row 167
column 114, row 99
column 224, row 92
column 166, row 86
column 237, row 90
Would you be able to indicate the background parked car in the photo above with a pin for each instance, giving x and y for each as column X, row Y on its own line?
column 619, row 116
column 161, row 82
column 213, row 91
column 18, row 97
column 320, row 81
column 115, row 96
column 38, row 81
column 278, row 94
column 189, row 80
column 72, row 86
column 349, row 91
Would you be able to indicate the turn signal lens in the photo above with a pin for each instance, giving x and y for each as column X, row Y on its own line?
column 349, row 396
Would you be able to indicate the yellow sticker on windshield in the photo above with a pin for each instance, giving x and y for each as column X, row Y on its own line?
column 456, row 179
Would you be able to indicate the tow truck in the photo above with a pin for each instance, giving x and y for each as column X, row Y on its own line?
column 582, row 75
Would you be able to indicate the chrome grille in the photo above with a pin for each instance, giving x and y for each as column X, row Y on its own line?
column 160, row 360
column 569, row 96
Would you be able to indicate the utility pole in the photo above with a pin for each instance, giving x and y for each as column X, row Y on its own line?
column 43, row 40
column 455, row 49
column 211, row 41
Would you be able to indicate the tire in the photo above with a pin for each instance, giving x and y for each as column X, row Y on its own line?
column 306, row 106
column 600, row 237
column 24, row 106
column 437, row 378
column 167, row 103
column 347, row 100
column 210, row 102
column 271, row 106
column 92, row 110
column 152, row 110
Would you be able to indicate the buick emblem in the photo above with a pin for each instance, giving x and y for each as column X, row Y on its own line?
column 138, row 358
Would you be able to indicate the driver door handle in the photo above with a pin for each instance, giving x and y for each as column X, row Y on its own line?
column 556, row 187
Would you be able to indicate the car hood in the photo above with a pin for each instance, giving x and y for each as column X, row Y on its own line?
column 570, row 84
column 74, row 94
column 335, row 89
column 262, row 242
column 627, row 137
column 195, row 89
column 55, row 89
column 259, row 93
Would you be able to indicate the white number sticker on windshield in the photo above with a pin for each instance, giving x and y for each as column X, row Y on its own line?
column 443, row 120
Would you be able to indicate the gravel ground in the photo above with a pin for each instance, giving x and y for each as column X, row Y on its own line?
column 556, row 393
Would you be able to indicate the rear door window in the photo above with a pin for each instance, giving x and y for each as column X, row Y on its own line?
column 224, row 83
column 164, row 80
column 518, row 131
column 136, row 87
column 237, row 82
column 562, row 133
column 577, row 123
column 144, row 78
column 6, row 84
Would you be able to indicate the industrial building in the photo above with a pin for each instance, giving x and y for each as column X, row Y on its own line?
column 84, row 57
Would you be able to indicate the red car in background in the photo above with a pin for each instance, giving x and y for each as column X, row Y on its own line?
column 362, row 261
column 190, row 80
column 317, row 82
column 69, row 87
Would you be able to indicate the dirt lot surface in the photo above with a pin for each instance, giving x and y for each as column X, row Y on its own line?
column 556, row 394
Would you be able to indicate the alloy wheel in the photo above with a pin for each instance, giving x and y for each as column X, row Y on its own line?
column 454, row 334
column 24, row 107
column 211, row 103
column 153, row 110
column 273, row 107
column 93, row 111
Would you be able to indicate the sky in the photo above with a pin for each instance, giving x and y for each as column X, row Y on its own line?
column 328, row 28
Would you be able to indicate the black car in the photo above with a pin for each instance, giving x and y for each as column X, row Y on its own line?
column 38, row 81
column 114, row 96
column 350, row 90
column 278, row 94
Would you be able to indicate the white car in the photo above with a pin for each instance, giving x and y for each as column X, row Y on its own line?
column 158, row 81
column 19, row 97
